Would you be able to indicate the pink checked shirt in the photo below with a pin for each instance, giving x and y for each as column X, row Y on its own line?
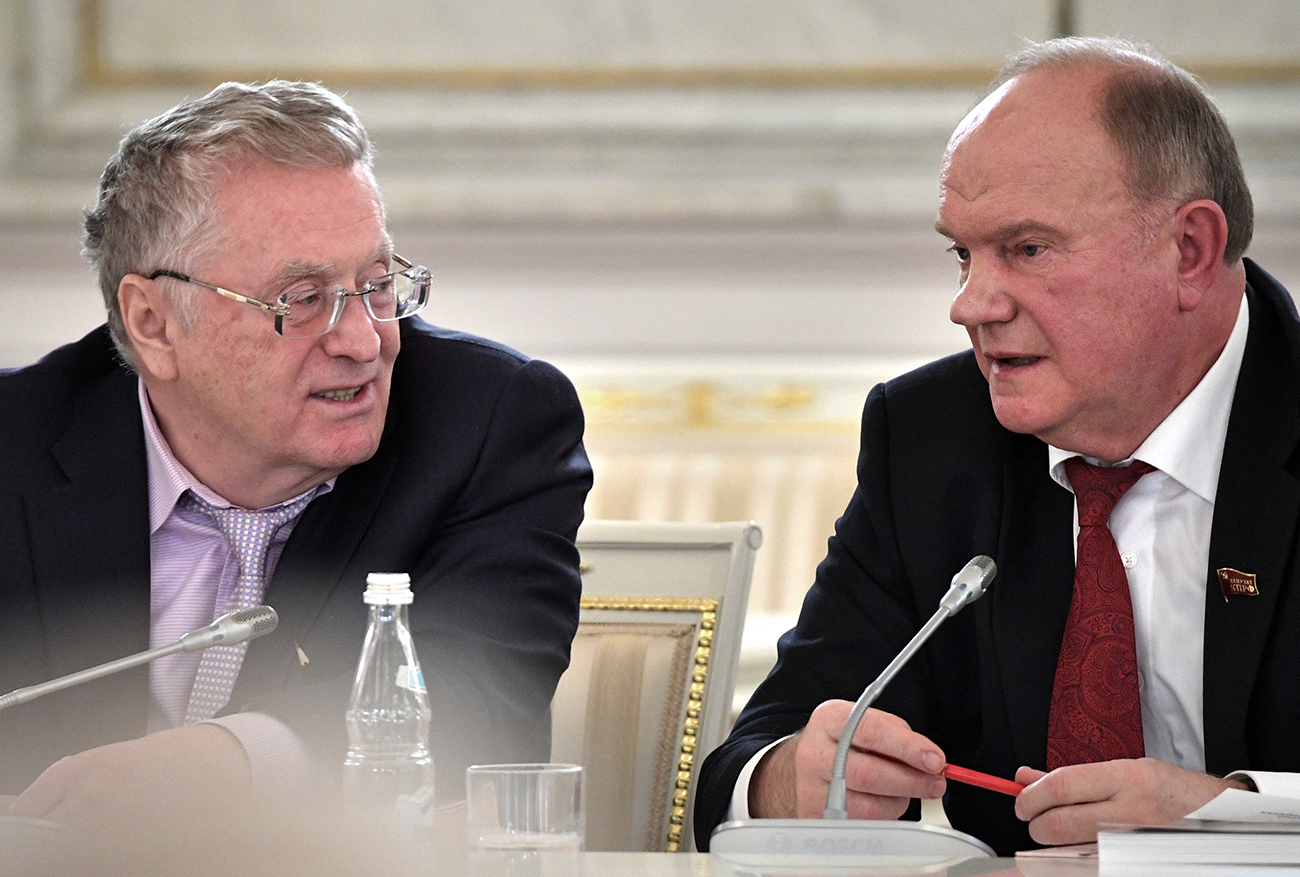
column 193, row 573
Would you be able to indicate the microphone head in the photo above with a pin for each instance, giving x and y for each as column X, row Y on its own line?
column 261, row 620
column 970, row 583
column 232, row 629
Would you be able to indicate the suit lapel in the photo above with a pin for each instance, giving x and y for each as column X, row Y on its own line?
column 1031, row 594
column 314, row 563
column 1255, row 516
column 90, row 547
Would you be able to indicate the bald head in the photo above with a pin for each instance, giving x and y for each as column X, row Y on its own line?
column 1173, row 142
column 1032, row 136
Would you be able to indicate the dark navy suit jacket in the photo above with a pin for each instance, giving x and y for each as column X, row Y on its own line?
column 939, row 481
column 476, row 490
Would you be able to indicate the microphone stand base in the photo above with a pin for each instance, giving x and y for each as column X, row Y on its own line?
column 769, row 846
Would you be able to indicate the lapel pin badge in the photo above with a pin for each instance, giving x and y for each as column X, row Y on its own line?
column 1237, row 583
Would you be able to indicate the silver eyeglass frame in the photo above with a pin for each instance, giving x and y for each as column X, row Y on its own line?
column 417, row 274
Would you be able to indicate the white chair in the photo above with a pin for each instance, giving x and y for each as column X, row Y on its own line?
column 648, row 690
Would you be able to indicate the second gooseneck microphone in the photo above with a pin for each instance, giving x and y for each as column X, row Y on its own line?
column 228, row 630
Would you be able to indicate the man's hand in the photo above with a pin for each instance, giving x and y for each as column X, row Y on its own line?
column 1066, row 805
column 179, row 781
column 888, row 765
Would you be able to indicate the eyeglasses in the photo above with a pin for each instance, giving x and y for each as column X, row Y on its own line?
column 303, row 313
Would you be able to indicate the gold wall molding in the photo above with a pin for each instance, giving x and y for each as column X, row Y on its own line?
column 346, row 70
column 100, row 71
column 102, row 75
column 706, row 405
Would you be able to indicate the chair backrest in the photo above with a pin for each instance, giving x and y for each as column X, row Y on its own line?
column 648, row 690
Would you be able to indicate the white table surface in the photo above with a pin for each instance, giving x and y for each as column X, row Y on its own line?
column 704, row 865
column 344, row 849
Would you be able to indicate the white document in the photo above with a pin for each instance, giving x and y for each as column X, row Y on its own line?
column 1236, row 805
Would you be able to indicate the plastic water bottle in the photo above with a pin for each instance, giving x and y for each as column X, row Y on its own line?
column 388, row 758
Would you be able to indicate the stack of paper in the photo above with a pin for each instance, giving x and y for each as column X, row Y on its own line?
column 1236, row 828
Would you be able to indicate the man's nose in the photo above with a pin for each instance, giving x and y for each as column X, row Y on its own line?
column 354, row 335
column 985, row 297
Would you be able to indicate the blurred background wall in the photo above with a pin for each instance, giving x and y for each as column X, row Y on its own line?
column 715, row 215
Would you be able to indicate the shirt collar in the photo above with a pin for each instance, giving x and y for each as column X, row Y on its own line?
column 169, row 479
column 1188, row 444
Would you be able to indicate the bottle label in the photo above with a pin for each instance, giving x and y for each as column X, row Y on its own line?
column 411, row 681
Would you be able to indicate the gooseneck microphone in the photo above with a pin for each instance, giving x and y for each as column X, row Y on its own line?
column 836, row 840
column 967, row 586
column 228, row 630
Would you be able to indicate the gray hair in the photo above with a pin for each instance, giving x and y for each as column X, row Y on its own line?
column 156, row 193
column 1175, row 143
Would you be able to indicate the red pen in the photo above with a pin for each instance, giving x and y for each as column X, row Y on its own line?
column 983, row 780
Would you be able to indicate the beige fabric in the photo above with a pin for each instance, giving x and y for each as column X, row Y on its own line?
column 619, row 711
column 642, row 574
column 796, row 485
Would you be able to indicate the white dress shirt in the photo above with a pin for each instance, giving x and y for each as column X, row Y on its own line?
column 1162, row 529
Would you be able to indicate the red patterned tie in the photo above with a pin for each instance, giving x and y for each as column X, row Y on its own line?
column 1096, row 714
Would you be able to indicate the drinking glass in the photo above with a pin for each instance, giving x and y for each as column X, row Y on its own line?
column 525, row 820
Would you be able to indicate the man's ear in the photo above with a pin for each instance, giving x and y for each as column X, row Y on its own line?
column 1201, row 234
column 151, row 325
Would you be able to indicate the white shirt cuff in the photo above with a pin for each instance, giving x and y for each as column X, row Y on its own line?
column 1268, row 782
column 278, row 760
column 740, row 795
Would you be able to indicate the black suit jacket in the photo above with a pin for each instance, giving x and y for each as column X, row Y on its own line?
column 939, row 481
column 476, row 490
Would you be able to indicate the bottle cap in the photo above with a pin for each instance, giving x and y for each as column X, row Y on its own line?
column 388, row 589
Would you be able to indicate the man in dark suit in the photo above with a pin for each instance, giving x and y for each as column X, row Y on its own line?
column 1097, row 209
column 251, row 362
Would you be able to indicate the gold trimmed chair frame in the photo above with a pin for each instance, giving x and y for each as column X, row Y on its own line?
column 699, row 673
column 648, row 691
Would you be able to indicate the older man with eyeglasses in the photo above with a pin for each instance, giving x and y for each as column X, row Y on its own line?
column 250, row 370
